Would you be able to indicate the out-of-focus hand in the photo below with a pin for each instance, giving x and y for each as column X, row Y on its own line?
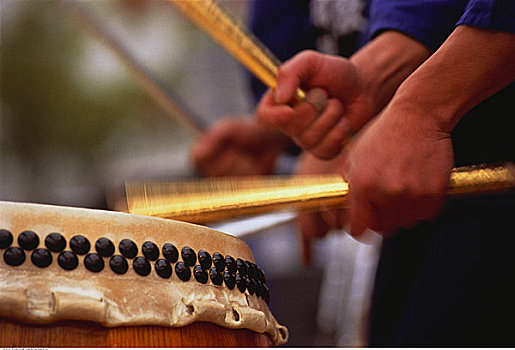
column 316, row 225
column 238, row 147
column 318, row 126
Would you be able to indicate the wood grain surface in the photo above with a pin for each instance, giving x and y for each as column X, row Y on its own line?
column 87, row 334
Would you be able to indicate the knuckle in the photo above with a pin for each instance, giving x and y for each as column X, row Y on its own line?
column 309, row 140
column 326, row 152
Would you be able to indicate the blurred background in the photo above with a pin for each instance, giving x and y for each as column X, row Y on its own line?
column 74, row 123
column 74, row 126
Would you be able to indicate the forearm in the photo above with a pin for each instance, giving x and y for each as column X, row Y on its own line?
column 469, row 67
column 385, row 62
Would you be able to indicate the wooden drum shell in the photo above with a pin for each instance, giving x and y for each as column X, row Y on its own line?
column 89, row 334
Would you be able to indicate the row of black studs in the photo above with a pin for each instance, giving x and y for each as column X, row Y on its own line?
column 239, row 273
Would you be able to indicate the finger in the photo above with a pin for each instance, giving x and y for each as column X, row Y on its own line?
column 293, row 73
column 310, row 225
column 335, row 141
column 307, row 251
column 363, row 215
column 270, row 114
column 307, row 112
column 311, row 136
column 335, row 218
column 304, row 114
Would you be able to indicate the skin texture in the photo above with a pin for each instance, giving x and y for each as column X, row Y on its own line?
column 398, row 166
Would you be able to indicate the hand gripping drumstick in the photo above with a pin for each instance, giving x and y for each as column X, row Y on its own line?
column 245, row 47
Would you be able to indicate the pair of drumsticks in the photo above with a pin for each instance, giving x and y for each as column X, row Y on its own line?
column 211, row 200
column 216, row 199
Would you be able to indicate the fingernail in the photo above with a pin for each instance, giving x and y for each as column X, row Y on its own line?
column 317, row 98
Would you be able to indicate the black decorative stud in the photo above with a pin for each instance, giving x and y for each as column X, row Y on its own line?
column 41, row 257
column 241, row 266
column 204, row 259
column 28, row 240
column 251, row 269
column 141, row 266
column 118, row 264
column 94, row 262
column 259, row 288
column 170, row 252
column 216, row 276
column 251, row 286
column 261, row 275
column 240, row 282
column 200, row 274
column 150, row 250
column 183, row 271
column 68, row 260
column 128, row 248
column 266, row 294
column 188, row 256
column 6, row 239
column 229, row 279
column 219, row 261
column 14, row 256
column 230, row 264
column 104, row 247
column 80, row 244
column 55, row 242
column 163, row 268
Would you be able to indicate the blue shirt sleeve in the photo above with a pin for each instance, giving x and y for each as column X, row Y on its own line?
column 490, row 14
column 429, row 22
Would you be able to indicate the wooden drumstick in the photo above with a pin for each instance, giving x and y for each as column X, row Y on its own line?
column 212, row 200
column 234, row 38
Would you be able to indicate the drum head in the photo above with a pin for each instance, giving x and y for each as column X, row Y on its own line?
column 122, row 270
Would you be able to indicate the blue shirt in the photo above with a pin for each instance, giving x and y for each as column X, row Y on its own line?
column 432, row 21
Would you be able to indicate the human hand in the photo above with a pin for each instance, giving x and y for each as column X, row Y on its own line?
column 398, row 167
column 318, row 126
column 237, row 147
column 398, row 170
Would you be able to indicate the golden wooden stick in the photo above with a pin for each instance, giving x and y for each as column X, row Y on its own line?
column 239, row 42
column 217, row 199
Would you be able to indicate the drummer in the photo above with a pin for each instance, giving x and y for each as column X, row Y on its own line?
column 426, row 86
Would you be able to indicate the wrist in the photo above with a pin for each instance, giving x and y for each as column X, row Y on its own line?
column 437, row 111
column 385, row 62
column 450, row 83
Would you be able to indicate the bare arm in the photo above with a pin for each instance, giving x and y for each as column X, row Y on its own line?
column 399, row 167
